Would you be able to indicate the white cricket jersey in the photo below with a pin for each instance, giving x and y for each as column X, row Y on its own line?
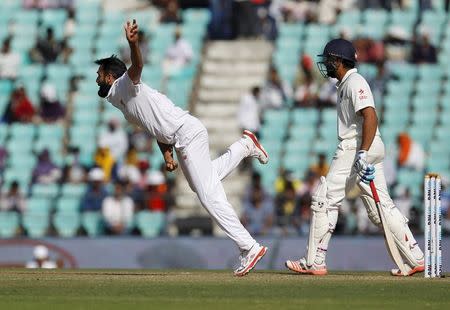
column 353, row 94
column 147, row 108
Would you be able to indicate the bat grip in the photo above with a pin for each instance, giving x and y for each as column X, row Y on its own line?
column 374, row 192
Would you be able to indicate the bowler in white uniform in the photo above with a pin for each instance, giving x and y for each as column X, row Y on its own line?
column 174, row 128
column 357, row 161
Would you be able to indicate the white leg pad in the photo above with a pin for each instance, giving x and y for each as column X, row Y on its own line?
column 398, row 225
column 323, row 223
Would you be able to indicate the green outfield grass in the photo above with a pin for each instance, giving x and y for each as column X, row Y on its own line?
column 162, row 289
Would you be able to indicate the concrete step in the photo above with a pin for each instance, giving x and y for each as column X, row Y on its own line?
column 240, row 50
column 224, row 110
column 226, row 95
column 243, row 83
column 235, row 68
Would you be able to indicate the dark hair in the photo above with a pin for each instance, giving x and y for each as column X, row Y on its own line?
column 348, row 64
column 112, row 65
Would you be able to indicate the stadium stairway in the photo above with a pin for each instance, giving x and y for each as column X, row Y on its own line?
column 229, row 69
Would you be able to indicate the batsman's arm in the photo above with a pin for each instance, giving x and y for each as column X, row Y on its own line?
column 137, row 63
column 369, row 129
column 167, row 152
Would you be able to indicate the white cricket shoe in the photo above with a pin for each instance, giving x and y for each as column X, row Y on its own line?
column 256, row 149
column 249, row 259
column 300, row 266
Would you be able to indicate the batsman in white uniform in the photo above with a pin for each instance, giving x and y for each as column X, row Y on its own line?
column 357, row 161
column 174, row 128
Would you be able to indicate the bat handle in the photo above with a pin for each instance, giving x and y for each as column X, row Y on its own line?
column 374, row 192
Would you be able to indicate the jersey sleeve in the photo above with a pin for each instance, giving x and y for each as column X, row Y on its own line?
column 128, row 85
column 361, row 94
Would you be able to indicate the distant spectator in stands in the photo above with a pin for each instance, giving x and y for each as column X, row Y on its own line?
column 321, row 167
column 284, row 178
column 369, row 50
column 258, row 213
column 298, row 11
column 249, row 111
column 115, row 138
column 96, row 192
column 268, row 25
column 328, row 94
column 404, row 201
column 143, row 46
column 378, row 83
column 19, row 108
column 256, row 183
column 46, row 49
column 51, row 109
column 73, row 171
column 104, row 159
column 171, row 13
column 13, row 200
column 410, row 153
column 155, row 192
column 71, row 24
column 118, row 211
column 423, row 51
column 306, row 94
column 303, row 215
column 306, row 68
column 396, row 44
column 276, row 92
column 9, row 61
column 285, row 210
column 143, row 167
column 141, row 140
column 3, row 159
column 65, row 52
column 178, row 55
column 245, row 19
column 46, row 171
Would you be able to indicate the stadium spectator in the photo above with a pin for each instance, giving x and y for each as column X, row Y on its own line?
column 396, row 44
column 19, row 109
column 13, row 200
column 143, row 167
column 3, row 159
column 306, row 94
column 171, row 13
column 244, row 19
column 410, row 153
column 423, row 51
column 41, row 259
column 141, row 140
column 45, row 171
column 369, row 50
column 96, row 192
column 51, row 109
column 143, row 46
column 276, row 92
column 156, row 192
column 47, row 49
column 178, row 55
column 328, row 94
column 73, row 171
column 71, row 24
column 117, row 211
column 284, row 178
column 115, row 139
column 303, row 215
column 378, row 83
column 248, row 113
column 321, row 167
column 65, row 52
column 9, row 61
column 306, row 68
column 258, row 214
column 285, row 210
column 104, row 159
column 268, row 25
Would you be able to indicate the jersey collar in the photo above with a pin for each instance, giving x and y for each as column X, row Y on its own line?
column 347, row 74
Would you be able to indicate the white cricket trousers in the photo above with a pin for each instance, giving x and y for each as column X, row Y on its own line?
column 204, row 177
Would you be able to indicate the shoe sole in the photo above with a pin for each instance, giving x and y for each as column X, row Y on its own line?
column 258, row 145
column 413, row 271
column 252, row 265
column 308, row 272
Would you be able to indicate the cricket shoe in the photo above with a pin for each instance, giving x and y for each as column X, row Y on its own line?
column 300, row 266
column 411, row 271
column 256, row 149
column 249, row 259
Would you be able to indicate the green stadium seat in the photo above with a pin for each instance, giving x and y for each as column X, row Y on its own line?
column 369, row 71
column 276, row 117
column 46, row 131
column 45, row 190
column 403, row 71
column 297, row 147
column 92, row 223
column 403, row 18
column 22, row 161
column 73, row 190
column 67, row 223
column 396, row 102
column 291, row 44
column 273, row 132
column 425, row 104
column 303, row 132
column 443, row 133
column 39, row 205
column 317, row 31
column 349, row 18
column 68, row 204
column 34, row 71
column 294, row 30
column 27, row 17
column 3, row 131
column 305, row 116
column 401, row 88
column 421, row 133
column 438, row 163
column 375, row 17
column 150, row 224
column 36, row 224
column 54, row 146
column 22, row 131
column 425, row 88
column 85, row 118
column 19, row 146
column 430, row 72
column 199, row 17
column 9, row 224
column 329, row 116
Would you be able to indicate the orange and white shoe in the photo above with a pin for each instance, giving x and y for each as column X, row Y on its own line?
column 256, row 149
column 299, row 266
column 249, row 259
column 416, row 269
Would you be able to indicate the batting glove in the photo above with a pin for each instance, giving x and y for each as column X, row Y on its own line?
column 366, row 171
